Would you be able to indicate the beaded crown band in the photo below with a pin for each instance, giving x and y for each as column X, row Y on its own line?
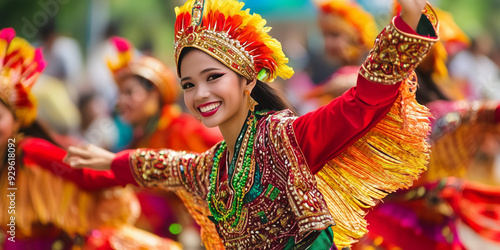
column 233, row 36
column 20, row 66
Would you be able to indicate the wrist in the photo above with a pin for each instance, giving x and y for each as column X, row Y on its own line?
column 411, row 18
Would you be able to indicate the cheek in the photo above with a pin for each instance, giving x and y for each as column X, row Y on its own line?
column 189, row 102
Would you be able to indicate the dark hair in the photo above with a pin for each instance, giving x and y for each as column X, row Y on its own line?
column 36, row 130
column 268, row 97
column 428, row 90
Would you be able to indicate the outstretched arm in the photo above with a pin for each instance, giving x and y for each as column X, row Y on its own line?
column 326, row 132
column 40, row 153
column 163, row 168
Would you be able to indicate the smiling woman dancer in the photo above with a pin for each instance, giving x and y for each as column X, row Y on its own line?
column 278, row 181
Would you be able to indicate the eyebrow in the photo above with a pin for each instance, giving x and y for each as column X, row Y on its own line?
column 202, row 72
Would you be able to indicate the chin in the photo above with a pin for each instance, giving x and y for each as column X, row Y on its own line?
column 209, row 124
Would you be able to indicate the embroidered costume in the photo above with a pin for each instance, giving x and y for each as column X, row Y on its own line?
column 52, row 199
column 292, row 177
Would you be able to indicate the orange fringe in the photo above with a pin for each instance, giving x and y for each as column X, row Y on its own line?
column 43, row 198
column 390, row 156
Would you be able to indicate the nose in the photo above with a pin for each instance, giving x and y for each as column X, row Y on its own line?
column 202, row 92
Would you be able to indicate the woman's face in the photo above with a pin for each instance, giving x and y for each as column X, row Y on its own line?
column 340, row 39
column 8, row 125
column 213, row 92
column 136, row 104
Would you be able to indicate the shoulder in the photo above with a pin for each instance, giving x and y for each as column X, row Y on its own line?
column 275, row 115
column 275, row 123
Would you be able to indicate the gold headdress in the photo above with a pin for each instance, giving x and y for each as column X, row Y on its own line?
column 362, row 21
column 145, row 66
column 20, row 66
column 233, row 36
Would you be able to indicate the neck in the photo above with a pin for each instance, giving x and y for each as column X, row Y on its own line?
column 231, row 131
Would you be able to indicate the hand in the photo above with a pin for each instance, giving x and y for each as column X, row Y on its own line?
column 89, row 156
column 411, row 11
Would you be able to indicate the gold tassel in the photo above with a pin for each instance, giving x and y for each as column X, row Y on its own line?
column 390, row 156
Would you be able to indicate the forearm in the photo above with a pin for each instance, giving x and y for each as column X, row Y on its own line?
column 397, row 52
column 399, row 49
column 164, row 168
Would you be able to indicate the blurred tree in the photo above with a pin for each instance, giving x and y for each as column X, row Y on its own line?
column 28, row 16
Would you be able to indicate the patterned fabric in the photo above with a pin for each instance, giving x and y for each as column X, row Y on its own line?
column 267, row 221
column 396, row 54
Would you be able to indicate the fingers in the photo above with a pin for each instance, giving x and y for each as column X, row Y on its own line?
column 96, row 164
column 89, row 156
column 75, row 162
column 83, row 151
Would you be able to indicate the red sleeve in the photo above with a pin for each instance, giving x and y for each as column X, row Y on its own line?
column 40, row 153
column 325, row 133
column 121, row 168
column 403, row 26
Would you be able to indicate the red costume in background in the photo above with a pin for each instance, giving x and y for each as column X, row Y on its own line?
column 54, row 203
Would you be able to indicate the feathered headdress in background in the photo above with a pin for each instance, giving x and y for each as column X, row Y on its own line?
column 152, row 69
column 20, row 66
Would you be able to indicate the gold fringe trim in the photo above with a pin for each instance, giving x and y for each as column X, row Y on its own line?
column 390, row 156
column 42, row 197
column 209, row 236
column 129, row 237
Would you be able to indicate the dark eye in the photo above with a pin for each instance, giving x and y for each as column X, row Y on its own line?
column 187, row 85
column 214, row 76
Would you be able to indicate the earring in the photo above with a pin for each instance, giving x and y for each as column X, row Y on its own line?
column 251, row 102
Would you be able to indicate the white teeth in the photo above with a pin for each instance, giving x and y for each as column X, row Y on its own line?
column 210, row 107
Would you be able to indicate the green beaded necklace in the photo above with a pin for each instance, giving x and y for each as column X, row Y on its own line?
column 239, row 181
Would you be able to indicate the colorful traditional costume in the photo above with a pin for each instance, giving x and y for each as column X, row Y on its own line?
column 52, row 199
column 295, row 179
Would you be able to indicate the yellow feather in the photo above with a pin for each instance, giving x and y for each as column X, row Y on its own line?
column 231, row 8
